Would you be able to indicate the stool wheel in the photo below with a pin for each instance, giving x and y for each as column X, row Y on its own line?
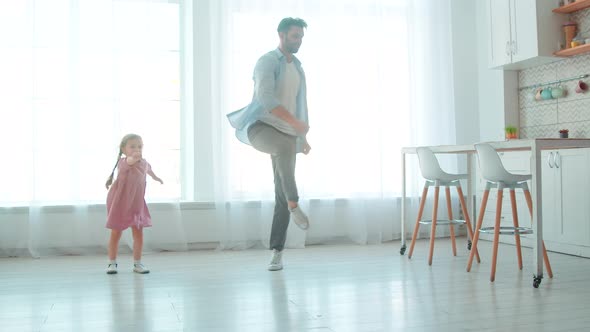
column 402, row 251
column 536, row 281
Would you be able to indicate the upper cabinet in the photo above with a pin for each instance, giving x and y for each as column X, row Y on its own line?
column 523, row 33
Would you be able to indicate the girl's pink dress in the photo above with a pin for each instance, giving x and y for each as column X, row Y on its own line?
column 125, row 202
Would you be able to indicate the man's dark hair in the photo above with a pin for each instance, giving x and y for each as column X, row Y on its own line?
column 288, row 22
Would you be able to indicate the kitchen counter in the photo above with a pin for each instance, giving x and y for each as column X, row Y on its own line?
column 535, row 146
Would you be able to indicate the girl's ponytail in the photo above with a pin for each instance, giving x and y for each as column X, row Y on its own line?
column 121, row 147
column 110, row 179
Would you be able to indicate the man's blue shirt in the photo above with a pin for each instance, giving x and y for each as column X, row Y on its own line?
column 269, row 70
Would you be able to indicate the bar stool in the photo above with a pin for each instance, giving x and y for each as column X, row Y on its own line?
column 493, row 171
column 436, row 177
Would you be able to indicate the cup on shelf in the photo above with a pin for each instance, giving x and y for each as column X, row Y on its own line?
column 569, row 28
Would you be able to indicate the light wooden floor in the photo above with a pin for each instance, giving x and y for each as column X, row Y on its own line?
column 322, row 288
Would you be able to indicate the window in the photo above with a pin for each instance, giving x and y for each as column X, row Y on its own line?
column 357, row 76
column 76, row 77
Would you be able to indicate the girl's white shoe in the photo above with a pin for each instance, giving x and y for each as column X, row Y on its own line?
column 140, row 268
column 112, row 268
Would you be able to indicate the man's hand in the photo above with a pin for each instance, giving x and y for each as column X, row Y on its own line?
column 300, row 127
column 306, row 147
column 281, row 112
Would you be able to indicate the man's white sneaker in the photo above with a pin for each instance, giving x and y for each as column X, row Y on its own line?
column 112, row 268
column 139, row 268
column 276, row 261
column 299, row 218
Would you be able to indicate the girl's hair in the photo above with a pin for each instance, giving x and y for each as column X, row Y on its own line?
column 121, row 146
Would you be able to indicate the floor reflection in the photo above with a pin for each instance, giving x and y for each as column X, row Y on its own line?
column 280, row 302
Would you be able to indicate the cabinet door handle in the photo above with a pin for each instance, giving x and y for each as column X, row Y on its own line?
column 549, row 159
column 514, row 47
column 555, row 158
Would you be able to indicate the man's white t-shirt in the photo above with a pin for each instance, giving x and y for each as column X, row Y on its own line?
column 287, row 91
column 289, row 87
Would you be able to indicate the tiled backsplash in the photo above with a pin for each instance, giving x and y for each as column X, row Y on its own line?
column 545, row 118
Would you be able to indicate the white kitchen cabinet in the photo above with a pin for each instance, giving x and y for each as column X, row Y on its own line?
column 566, row 198
column 522, row 33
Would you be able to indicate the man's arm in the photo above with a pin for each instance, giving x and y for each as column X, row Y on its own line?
column 300, row 127
column 264, row 82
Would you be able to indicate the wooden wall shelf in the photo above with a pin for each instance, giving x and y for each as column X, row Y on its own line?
column 573, row 50
column 572, row 7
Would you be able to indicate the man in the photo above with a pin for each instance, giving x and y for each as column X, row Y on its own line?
column 276, row 123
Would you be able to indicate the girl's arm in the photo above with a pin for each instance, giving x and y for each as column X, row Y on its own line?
column 154, row 176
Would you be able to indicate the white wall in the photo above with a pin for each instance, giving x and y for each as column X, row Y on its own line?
column 465, row 70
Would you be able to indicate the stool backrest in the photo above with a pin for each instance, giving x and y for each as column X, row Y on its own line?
column 490, row 164
column 429, row 165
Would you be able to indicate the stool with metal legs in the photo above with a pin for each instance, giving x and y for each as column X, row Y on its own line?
column 495, row 174
column 436, row 177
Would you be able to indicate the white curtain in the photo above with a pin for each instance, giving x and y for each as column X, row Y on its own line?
column 379, row 76
column 77, row 75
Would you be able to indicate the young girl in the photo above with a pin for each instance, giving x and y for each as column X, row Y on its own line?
column 126, row 205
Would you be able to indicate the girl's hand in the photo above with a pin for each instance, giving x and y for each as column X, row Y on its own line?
column 133, row 158
column 154, row 176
